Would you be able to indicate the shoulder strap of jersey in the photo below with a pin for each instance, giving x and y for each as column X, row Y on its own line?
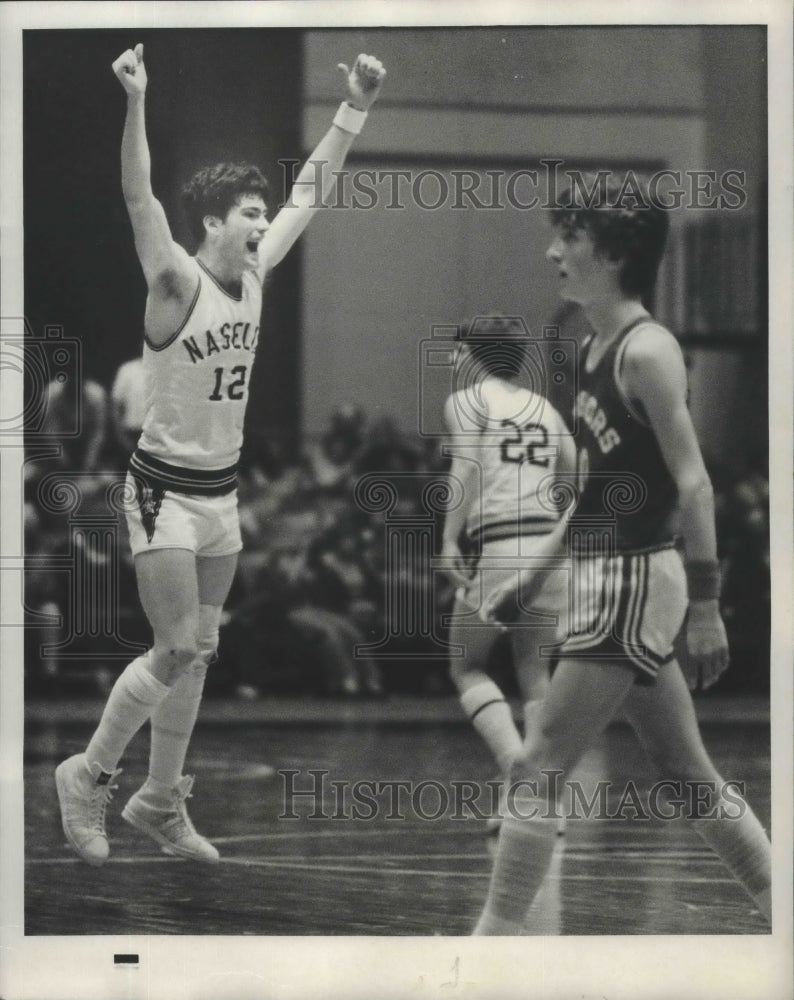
column 167, row 343
column 587, row 343
column 623, row 342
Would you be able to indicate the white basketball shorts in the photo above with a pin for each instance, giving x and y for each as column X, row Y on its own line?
column 627, row 608
column 163, row 519
column 515, row 582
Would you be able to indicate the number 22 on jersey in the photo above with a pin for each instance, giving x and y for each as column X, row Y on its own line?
column 526, row 444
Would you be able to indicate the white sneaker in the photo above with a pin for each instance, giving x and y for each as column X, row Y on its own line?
column 84, row 791
column 171, row 827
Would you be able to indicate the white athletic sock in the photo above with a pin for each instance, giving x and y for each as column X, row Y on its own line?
column 523, row 856
column 744, row 847
column 489, row 925
column 156, row 794
column 132, row 700
column 544, row 916
column 172, row 725
column 492, row 717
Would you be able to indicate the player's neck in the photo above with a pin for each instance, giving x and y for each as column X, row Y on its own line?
column 610, row 316
column 223, row 273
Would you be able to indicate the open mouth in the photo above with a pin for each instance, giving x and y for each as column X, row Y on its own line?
column 252, row 246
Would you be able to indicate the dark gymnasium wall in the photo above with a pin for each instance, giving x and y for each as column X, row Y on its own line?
column 213, row 95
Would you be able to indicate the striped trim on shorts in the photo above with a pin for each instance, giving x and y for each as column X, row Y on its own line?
column 514, row 527
column 627, row 607
column 195, row 482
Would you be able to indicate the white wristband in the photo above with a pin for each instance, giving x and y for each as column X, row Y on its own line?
column 349, row 118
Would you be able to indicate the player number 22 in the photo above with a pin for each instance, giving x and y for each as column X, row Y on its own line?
column 234, row 390
column 521, row 447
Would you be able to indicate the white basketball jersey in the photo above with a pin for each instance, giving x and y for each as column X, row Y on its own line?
column 197, row 382
column 516, row 453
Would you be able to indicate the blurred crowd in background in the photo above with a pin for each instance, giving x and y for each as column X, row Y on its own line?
column 317, row 576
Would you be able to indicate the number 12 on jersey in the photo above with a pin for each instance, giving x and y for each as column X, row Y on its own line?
column 234, row 389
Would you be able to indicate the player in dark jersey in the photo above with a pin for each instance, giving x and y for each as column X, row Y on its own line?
column 642, row 485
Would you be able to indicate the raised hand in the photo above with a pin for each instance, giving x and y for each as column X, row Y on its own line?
column 363, row 81
column 130, row 70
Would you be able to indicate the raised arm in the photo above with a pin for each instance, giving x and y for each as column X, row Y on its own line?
column 316, row 178
column 655, row 376
column 166, row 265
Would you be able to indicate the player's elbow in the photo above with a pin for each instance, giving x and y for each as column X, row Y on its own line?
column 694, row 490
column 138, row 201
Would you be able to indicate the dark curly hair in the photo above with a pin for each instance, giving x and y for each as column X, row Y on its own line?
column 214, row 190
column 624, row 222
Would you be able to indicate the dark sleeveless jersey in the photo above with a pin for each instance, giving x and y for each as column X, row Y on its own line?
column 623, row 480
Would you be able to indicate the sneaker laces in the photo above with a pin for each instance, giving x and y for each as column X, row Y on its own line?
column 184, row 792
column 100, row 797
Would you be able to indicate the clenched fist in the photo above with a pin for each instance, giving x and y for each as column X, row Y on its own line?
column 363, row 81
column 130, row 70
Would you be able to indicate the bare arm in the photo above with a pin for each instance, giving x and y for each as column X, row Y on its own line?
column 166, row 265
column 316, row 179
column 463, row 478
column 565, row 470
column 655, row 376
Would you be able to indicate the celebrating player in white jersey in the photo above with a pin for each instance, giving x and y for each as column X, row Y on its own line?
column 510, row 450
column 201, row 331
column 643, row 483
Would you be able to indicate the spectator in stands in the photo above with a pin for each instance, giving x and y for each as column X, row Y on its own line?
column 127, row 407
column 348, row 587
column 284, row 621
column 331, row 460
column 78, row 420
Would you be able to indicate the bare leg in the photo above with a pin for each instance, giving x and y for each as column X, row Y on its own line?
column 175, row 717
column 481, row 699
column 168, row 589
column 531, row 666
column 190, row 623
column 169, row 595
column 535, row 641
